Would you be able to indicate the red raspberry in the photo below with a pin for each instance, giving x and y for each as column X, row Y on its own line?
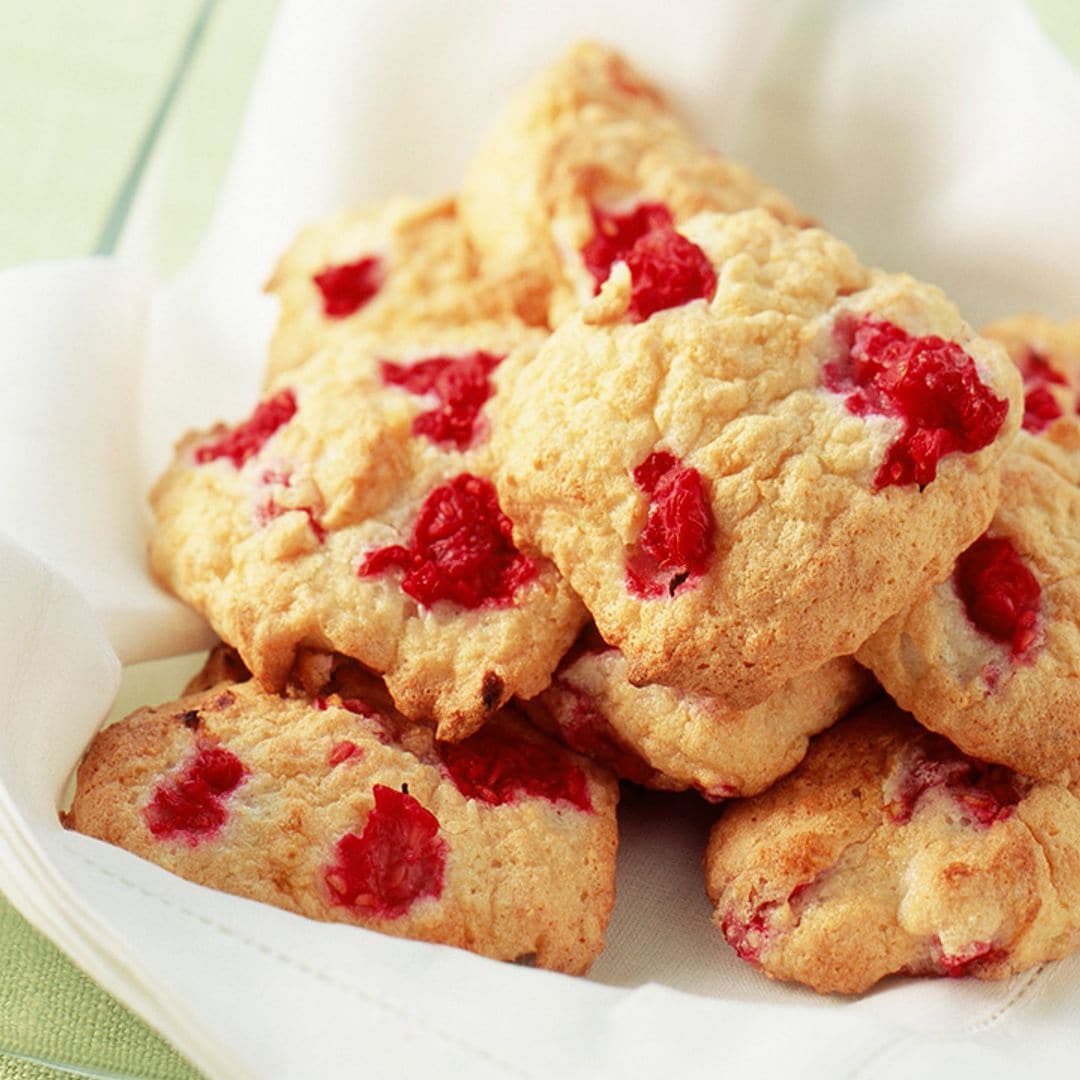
column 248, row 439
column 270, row 509
column 667, row 270
column 1040, row 406
column 461, row 550
column 498, row 767
column 749, row 938
column 360, row 708
column 460, row 383
column 347, row 288
column 930, row 383
column 342, row 751
column 616, row 234
column 957, row 964
column 190, row 804
column 397, row 860
column 677, row 541
column 1001, row 595
column 587, row 731
column 1040, row 409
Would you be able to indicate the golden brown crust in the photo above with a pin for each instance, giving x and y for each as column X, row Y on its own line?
column 528, row 877
column 1022, row 711
column 691, row 740
column 884, row 852
column 269, row 551
column 589, row 131
column 809, row 558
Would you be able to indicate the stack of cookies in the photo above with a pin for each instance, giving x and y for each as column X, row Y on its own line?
column 615, row 468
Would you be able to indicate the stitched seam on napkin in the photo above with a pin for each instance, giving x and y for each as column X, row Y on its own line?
column 880, row 1052
column 392, row 1008
column 891, row 1047
column 1033, row 981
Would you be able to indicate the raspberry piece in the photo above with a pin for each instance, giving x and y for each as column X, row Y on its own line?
column 749, row 938
column 929, row 383
column 267, row 511
column 397, row 860
column 342, row 751
column 360, row 708
column 667, row 270
column 269, row 508
column 461, row 550
column 616, row 234
column 985, row 792
column 1040, row 409
column 588, row 731
column 190, row 804
column 248, row 439
column 1000, row 594
column 498, row 767
column 1035, row 367
column 677, row 541
column 957, row 964
column 1040, row 406
column 460, row 383
column 347, row 288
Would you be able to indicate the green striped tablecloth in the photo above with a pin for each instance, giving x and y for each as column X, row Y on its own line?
column 88, row 92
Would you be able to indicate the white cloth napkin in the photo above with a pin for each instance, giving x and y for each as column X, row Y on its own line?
column 942, row 139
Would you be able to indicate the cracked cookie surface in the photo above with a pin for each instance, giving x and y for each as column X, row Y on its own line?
column 888, row 851
column 395, row 264
column 340, row 809
column 580, row 165
column 745, row 482
column 353, row 512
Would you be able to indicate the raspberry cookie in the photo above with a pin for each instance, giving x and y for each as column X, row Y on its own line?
column 353, row 512
column 341, row 810
column 1048, row 355
column 991, row 656
column 749, row 451
column 585, row 163
column 658, row 737
column 888, row 851
column 399, row 263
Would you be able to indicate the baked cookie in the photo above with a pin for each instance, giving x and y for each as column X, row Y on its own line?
column 584, row 162
column 660, row 738
column 749, row 451
column 341, row 810
column 1048, row 355
column 990, row 657
column 353, row 513
column 888, row 851
column 397, row 264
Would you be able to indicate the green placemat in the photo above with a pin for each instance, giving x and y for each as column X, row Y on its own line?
column 50, row 1010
